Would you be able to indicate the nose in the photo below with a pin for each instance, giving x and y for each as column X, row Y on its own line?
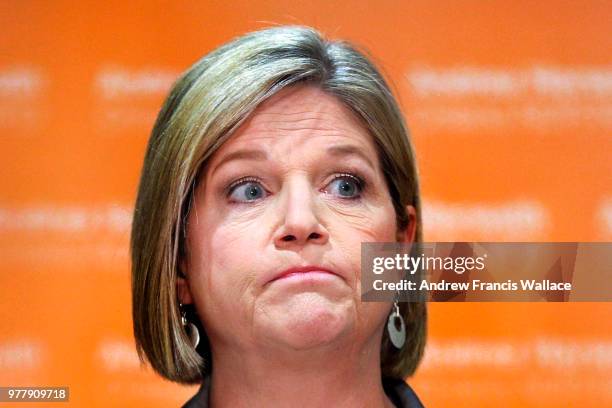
column 300, row 223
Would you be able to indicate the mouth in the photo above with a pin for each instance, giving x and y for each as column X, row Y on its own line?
column 301, row 271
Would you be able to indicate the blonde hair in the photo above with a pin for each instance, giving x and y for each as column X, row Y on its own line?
column 206, row 104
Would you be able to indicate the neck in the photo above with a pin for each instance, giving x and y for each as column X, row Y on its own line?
column 338, row 375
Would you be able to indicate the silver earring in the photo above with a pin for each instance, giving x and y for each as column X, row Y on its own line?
column 397, row 337
column 190, row 328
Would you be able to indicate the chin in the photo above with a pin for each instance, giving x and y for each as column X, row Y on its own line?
column 312, row 324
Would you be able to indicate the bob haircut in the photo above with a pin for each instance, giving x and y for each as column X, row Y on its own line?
column 206, row 104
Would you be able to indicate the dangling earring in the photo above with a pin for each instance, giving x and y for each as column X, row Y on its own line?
column 397, row 337
column 190, row 328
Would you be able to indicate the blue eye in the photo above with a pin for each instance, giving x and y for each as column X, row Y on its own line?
column 246, row 190
column 348, row 186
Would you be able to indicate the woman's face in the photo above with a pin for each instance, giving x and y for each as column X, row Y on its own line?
column 298, row 184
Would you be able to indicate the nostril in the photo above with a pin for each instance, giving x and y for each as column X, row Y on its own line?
column 288, row 238
column 315, row 235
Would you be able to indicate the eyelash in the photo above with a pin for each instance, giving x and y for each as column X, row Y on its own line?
column 360, row 181
column 230, row 188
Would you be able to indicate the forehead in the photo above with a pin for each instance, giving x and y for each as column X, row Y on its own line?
column 301, row 115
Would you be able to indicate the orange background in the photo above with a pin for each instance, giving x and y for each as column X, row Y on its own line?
column 510, row 108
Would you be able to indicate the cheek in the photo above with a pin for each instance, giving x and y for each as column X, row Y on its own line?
column 223, row 259
column 375, row 225
column 379, row 227
column 350, row 231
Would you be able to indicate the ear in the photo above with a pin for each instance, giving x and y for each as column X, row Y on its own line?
column 182, row 284
column 408, row 235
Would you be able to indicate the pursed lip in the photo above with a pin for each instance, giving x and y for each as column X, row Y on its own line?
column 303, row 269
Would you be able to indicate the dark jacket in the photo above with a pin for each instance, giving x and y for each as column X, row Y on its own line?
column 398, row 392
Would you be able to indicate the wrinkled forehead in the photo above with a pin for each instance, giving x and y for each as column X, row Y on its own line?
column 297, row 120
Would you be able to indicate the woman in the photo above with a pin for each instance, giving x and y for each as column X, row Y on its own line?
column 272, row 159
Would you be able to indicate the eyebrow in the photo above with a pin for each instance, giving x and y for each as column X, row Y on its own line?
column 260, row 155
column 349, row 150
column 245, row 154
